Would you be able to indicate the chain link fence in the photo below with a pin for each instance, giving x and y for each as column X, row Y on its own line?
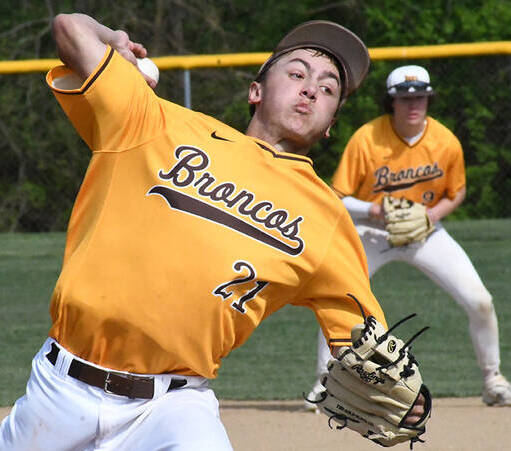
column 43, row 160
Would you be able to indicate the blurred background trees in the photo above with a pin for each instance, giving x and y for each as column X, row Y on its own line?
column 43, row 160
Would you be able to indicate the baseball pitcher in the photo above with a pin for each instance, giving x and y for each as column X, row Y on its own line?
column 185, row 235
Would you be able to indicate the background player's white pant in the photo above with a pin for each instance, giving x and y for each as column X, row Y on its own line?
column 62, row 413
column 443, row 260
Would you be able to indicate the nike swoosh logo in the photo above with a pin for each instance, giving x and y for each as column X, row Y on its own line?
column 215, row 136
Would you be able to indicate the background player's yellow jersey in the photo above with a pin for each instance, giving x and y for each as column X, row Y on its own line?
column 377, row 161
column 186, row 234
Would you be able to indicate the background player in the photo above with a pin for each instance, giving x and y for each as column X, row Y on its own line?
column 185, row 235
column 406, row 153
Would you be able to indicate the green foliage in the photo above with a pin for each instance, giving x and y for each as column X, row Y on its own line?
column 473, row 93
column 43, row 160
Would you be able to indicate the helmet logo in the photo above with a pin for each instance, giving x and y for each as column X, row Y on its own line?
column 391, row 346
column 411, row 78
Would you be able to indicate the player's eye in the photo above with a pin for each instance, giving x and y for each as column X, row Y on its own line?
column 296, row 75
column 330, row 90
column 327, row 90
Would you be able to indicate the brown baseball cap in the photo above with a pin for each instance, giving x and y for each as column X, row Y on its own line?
column 339, row 42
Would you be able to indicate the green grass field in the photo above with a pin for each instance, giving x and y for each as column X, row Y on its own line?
column 278, row 361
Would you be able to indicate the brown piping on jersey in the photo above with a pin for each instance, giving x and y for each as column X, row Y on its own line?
column 93, row 79
column 283, row 156
column 183, row 202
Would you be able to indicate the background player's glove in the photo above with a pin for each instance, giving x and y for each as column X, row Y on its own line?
column 405, row 221
column 373, row 385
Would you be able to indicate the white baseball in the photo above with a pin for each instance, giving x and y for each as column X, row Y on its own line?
column 147, row 67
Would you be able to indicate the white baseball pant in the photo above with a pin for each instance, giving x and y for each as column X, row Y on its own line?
column 59, row 412
column 443, row 260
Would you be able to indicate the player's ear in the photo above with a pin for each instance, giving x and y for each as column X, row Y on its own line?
column 254, row 93
column 332, row 123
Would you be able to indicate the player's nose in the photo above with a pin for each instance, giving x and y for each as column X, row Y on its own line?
column 309, row 90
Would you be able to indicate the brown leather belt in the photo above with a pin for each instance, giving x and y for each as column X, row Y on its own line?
column 112, row 382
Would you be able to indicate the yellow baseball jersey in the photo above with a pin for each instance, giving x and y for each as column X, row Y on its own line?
column 377, row 161
column 186, row 234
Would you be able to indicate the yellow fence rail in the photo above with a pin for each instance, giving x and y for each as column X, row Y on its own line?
column 255, row 59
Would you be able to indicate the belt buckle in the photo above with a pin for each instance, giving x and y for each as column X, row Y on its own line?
column 128, row 380
column 108, row 380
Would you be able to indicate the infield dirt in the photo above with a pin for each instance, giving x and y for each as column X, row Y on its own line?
column 461, row 424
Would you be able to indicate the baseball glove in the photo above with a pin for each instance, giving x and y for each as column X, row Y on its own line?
column 405, row 221
column 373, row 384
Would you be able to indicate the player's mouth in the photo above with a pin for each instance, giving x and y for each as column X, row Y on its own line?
column 303, row 108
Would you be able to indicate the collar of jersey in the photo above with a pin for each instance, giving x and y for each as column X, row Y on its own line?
column 281, row 155
column 389, row 118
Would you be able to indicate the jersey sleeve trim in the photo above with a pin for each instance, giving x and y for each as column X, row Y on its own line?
column 88, row 83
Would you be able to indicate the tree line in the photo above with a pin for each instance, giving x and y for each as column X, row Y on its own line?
column 43, row 159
